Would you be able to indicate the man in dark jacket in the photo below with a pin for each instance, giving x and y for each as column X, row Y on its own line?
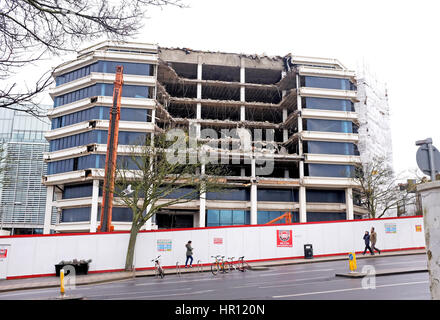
column 189, row 252
column 367, row 243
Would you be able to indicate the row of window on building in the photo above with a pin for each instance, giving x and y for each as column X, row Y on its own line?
column 214, row 218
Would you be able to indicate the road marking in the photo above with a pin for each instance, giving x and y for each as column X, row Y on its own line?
column 271, row 282
column 5, row 294
column 383, row 264
column 170, row 282
column 167, row 295
column 294, row 272
column 126, row 293
column 349, row 289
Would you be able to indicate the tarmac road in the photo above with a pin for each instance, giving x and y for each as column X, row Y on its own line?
column 302, row 281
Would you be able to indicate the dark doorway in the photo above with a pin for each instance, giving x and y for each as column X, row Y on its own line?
column 174, row 219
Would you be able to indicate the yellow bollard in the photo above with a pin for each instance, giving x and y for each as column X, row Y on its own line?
column 62, row 282
column 352, row 261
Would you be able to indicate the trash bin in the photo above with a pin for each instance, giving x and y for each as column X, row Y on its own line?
column 308, row 251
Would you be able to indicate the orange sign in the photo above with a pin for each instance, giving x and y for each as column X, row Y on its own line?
column 418, row 228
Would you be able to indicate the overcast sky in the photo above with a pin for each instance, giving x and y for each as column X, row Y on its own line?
column 398, row 40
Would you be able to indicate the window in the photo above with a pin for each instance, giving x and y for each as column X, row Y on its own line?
column 329, row 196
column 101, row 89
column 321, row 147
column 281, row 195
column 230, row 194
column 77, row 191
column 327, row 83
column 264, row 217
column 329, row 126
column 328, row 170
column 142, row 69
column 327, row 104
column 75, row 214
column 97, row 136
column 325, row 216
column 217, row 218
column 122, row 214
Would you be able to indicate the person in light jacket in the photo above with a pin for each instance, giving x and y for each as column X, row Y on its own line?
column 189, row 253
column 367, row 243
column 373, row 239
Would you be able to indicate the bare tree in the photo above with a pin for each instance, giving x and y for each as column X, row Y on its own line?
column 32, row 30
column 157, row 183
column 379, row 189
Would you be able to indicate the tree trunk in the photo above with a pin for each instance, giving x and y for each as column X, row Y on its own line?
column 131, row 246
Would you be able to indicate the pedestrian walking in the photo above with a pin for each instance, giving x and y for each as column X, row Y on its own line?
column 373, row 239
column 367, row 243
column 189, row 253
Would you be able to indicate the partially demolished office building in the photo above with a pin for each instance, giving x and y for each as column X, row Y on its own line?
column 298, row 110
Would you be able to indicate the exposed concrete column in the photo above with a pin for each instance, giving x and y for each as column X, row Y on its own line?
column 48, row 212
column 349, row 203
column 95, row 205
column 202, row 210
column 242, row 91
column 254, row 200
column 285, row 131
column 199, row 93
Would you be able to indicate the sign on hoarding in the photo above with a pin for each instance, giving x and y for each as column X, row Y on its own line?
column 284, row 238
column 164, row 245
column 390, row 228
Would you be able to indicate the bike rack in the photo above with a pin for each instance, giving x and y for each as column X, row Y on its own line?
column 199, row 266
column 178, row 272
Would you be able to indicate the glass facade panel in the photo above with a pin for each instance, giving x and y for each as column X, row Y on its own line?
column 101, row 89
column 327, row 104
column 97, row 136
column 328, row 196
column 88, row 162
column 327, row 83
column 281, row 195
column 321, row 147
column 329, row 126
column 184, row 193
column 329, row 170
column 230, row 194
column 77, row 191
column 101, row 113
column 216, row 218
column 142, row 69
column 264, row 217
column 325, row 216
column 75, row 214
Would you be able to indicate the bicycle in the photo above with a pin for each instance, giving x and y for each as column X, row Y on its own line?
column 158, row 271
column 219, row 265
column 232, row 264
column 243, row 265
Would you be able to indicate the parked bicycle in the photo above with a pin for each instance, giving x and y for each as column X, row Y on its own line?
column 219, row 265
column 158, row 271
column 243, row 265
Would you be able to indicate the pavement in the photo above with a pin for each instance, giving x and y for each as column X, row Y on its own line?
column 48, row 282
